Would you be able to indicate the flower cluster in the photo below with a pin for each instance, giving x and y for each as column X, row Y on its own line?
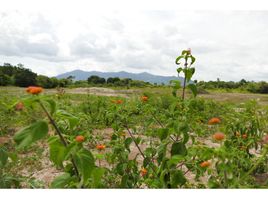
column 143, row 172
column 100, row 147
column 214, row 121
column 144, row 98
column 119, row 101
column 80, row 138
column 218, row 136
column 34, row 90
column 205, row 164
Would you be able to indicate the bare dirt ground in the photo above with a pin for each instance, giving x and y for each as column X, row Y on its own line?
column 101, row 91
column 223, row 97
column 237, row 97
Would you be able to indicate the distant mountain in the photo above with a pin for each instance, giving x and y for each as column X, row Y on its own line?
column 83, row 75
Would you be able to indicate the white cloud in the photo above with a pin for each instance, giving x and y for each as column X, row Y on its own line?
column 229, row 45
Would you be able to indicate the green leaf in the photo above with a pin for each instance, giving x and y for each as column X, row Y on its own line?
column 96, row 176
column 31, row 134
column 85, row 163
column 128, row 141
column 165, row 177
column 13, row 156
column 193, row 88
column 183, row 128
column 176, row 84
column 185, row 137
column 161, row 152
column 178, row 148
column 52, row 105
column 124, row 181
column 120, row 168
column 174, row 160
column 138, row 140
column 62, row 181
column 71, row 149
column 184, row 52
column 146, row 161
column 189, row 73
column 193, row 59
column 57, row 151
column 177, row 179
column 179, row 70
column 28, row 102
column 174, row 92
column 73, row 120
column 99, row 156
column 162, row 133
column 178, row 59
column 3, row 157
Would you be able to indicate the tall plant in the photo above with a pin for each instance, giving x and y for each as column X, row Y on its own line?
column 188, row 71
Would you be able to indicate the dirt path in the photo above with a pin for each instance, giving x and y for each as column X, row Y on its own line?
column 237, row 97
column 99, row 91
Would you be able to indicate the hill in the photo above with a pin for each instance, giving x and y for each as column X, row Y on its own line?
column 147, row 77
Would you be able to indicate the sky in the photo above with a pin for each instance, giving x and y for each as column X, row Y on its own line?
column 229, row 45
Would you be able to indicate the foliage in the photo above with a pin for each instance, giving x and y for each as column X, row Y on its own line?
column 147, row 141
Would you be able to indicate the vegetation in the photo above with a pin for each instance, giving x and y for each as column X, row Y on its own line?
column 23, row 77
column 147, row 141
column 242, row 85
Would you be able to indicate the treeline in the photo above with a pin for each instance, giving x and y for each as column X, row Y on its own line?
column 23, row 77
column 250, row 86
column 116, row 81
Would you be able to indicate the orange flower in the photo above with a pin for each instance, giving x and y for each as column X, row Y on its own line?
column 19, row 106
column 119, row 101
column 218, row 136
column 144, row 98
column 80, row 138
column 214, row 120
column 244, row 136
column 100, row 147
column 205, row 164
column 34, row 90
column 143, row 171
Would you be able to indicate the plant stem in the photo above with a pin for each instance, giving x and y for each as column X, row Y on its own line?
column 162, row 126
column 54, row 124
column 184, row 81
column 225, row 179
column 136, row 144
column 160, row 123
column 59, row 134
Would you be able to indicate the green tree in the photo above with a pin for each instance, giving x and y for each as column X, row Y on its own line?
column 4, row 79
column 46, row 82
column 24, row 77
column 112, row 80
column 96, row 80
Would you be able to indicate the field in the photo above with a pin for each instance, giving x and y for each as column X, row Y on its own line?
column 132, row 138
